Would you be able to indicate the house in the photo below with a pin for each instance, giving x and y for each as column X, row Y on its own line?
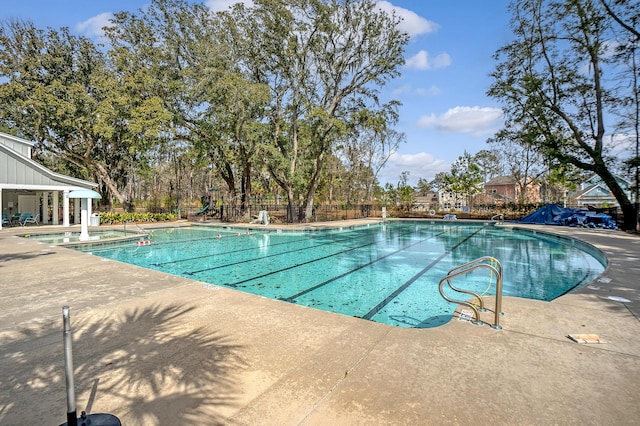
column 450, row 200
column 507, row 189
column 28, row 187
column 593, row 192
column 427, row 202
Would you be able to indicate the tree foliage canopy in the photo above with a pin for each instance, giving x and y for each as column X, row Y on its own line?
column 264, row 92
column 557, row 80
column 61, row 91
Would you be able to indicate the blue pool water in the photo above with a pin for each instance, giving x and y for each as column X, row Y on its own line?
column 74, row 237
column 388, row 273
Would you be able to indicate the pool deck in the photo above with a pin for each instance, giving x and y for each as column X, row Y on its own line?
column 155, row 349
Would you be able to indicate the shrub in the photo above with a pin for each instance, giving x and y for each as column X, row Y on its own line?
column 109, row 218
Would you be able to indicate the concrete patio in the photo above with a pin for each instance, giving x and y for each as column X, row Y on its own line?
column 155, row 349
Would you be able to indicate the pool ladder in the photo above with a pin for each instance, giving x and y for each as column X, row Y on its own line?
column 487, row 262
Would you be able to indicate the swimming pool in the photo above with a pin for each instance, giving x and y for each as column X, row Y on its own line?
column 74, row 237
column 388, row 273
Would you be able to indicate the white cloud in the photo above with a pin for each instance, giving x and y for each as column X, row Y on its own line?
column 406, row 88
column 92, row 27
column 431, row 91
column 222, row 5
column 420, row 165
column 476, row 120
column 420, row 91
column 422, row 61
column 411, row 23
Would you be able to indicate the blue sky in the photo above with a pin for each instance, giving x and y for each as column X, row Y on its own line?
column 445, row 109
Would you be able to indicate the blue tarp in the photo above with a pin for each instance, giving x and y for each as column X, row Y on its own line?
column 554, row 214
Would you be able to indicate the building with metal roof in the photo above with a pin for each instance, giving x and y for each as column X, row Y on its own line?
column 28, row 187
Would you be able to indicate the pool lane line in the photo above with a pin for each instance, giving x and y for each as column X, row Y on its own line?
column 343, row 236
column 235, row 284
column 332, row 240
column 404, row 286
column 224, row 235
column 257, row 259
column 260, row 232
column 133, row 249
column 172, row 242
column 108, row 247
column 127, row 245
column 337, row 277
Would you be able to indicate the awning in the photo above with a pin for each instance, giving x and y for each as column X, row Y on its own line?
column 84, row 193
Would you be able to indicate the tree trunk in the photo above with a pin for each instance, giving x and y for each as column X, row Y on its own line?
column 111, row 186
column 292, row 217
column 629, row 212
column 245, row 208
column 308, row 211
column 628, row 209
column 313, row 186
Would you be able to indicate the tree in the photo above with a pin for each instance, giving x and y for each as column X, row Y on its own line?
column 464, row 180
column 61, row 91
column 423, row 187
column 489, row 163
column 626, row 14
column 525, row 163
column 193, row 55
column 552, row 80
column 465, row 177
column 323, row 61
column 440, row 181
column 389, row 195
column 367, row 146
column 404, row 192
column 559, row 180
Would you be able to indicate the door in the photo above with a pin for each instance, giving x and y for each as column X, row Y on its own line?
column 27, row 204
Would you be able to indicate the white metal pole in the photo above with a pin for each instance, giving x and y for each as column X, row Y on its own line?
column 68, row 367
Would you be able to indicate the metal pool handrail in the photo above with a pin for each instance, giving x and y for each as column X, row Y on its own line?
column 478, row 260
column 465, row 269
column 498, row 218
column 140, row 229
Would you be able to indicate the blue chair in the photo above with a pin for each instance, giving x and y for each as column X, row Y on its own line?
column 23, row 217
column 5, row 221
column 15, row 219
